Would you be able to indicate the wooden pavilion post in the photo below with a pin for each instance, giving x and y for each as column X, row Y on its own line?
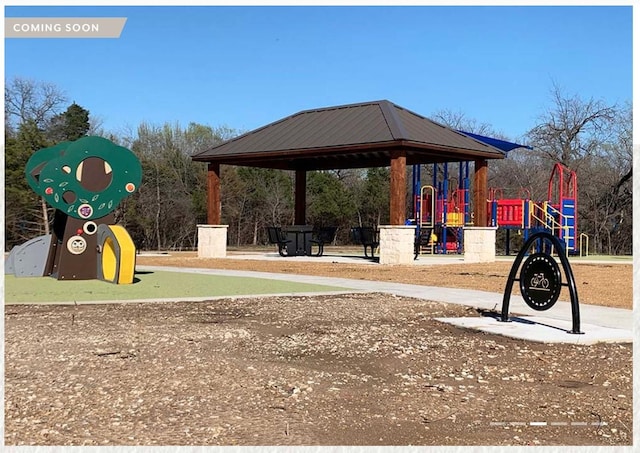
column 480, row 192
column 212, row 237
column 214, row 212
column 300, row 215
column 398, row 187
column 397, row 239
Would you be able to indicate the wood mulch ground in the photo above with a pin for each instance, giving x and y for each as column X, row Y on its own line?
column 350, row 369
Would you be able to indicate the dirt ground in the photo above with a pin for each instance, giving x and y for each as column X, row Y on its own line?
column 600, row 284
column 360, row 369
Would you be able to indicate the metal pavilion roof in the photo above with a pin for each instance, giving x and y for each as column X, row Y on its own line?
column 359, row 135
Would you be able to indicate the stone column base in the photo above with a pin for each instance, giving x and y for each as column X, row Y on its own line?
column 479, row 244
column 397, row 244
column 212, row 241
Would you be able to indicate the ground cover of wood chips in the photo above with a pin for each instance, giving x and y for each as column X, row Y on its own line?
column 354, row 369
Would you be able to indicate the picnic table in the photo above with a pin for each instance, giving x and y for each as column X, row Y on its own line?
column 297, row 240
column 368, row 237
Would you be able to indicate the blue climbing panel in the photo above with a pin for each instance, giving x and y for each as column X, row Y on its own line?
column 569, row 219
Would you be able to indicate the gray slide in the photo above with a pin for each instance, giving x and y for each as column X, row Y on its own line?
column 29, row 259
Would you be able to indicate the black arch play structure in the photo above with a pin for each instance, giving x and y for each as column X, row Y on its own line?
column 543, row 275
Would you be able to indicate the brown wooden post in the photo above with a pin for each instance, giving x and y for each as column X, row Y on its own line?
column 398, row 188
column 480, row 193
column 214, row 213
column 301, row 197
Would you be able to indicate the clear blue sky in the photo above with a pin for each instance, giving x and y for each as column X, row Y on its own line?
column 244, row 67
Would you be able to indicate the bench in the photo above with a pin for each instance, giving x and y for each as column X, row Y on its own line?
column 278, row 237
column 367, row 237
column 322, row 236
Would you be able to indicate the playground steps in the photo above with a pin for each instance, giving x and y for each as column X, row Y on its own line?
column 425, row 243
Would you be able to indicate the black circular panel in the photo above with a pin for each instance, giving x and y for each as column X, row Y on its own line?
column 540, row 281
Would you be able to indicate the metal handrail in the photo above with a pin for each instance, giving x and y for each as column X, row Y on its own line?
column 548, row 218
column 550, row 222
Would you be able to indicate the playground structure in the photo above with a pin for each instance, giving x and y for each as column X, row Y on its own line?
column 557, row 214
column 84, row 181
column 441, row 210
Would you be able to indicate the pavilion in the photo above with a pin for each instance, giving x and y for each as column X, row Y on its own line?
column 362, row 135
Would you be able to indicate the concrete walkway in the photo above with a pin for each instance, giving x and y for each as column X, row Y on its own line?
column 599, row 324
column 423, row 260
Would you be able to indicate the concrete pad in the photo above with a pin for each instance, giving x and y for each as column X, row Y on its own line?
column 614, row 318
column 543, row 330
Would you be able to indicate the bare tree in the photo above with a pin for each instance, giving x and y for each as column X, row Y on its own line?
column 594, row 139
column 96, row 124
column 573, row 128
column 164, row 212
column 459, row 121
column 29, row 100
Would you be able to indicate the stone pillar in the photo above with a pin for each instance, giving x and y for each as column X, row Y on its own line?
column 212, row 241
column 480, row 244
column 397, row 244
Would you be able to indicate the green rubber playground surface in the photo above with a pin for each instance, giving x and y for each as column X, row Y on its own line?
column 147, row 285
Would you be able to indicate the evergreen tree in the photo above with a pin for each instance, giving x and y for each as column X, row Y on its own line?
column 330, row 204
column 373, row 197
column 70, row 125
column 25, row 215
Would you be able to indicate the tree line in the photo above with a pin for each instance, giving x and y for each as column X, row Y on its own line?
column 586, row 135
